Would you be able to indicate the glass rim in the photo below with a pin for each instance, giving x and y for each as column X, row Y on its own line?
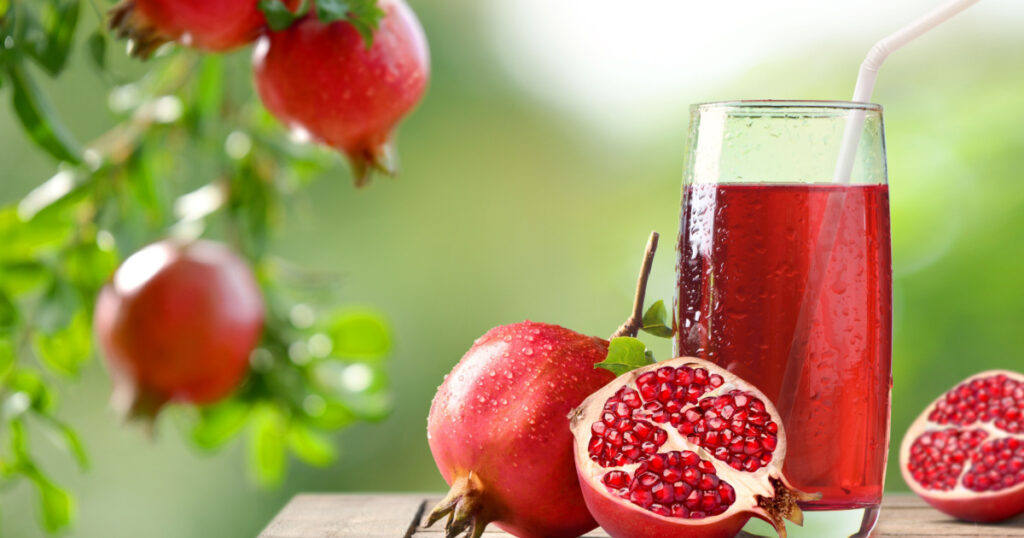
column 784, row 104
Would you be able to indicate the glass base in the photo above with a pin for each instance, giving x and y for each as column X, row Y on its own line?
column 853, row 523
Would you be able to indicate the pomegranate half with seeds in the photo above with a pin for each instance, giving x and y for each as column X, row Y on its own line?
column 965, row 454
column 682, row 448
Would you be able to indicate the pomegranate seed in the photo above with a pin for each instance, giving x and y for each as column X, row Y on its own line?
column 660, row 510
column 616, row 479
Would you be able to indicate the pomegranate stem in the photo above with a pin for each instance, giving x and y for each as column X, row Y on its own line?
column 636, row 320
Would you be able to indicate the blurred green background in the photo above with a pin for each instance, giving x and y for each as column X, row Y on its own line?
column 521, row 199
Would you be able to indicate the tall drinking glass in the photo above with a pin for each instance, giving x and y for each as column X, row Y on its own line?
column 784, row 277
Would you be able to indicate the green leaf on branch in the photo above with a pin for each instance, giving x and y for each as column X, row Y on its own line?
column 364, row 15
column 360, row 335
column 97, row 44
column 38, row 117
column 656, row 321
column 219, row 423
column 56, row 505
column 8, row 311
column 56, row 307
column 310, row 447
column 625, row 354
column 70, row 439
column 65, row 350
column 278, row 16
column 267, row 447
column 60, row 18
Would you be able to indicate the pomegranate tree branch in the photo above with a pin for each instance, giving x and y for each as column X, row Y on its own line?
column 636, row 319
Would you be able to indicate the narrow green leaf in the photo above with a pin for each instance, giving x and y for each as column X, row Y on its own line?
column 97, row 45
column 70, row 439
column 360, row 335
column 209, row 90
column 267, row 447
column 38, row 118
column 278, row 16
column 625, row 354
column 56, row 505
column 8, row 312
column 219, row 423
column 59, row 22
column 310, row 447
column 656, row 321
column 19, row 441
column 7, row 358
column 64, row 351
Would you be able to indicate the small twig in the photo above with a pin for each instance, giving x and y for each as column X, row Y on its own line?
column 636, row 319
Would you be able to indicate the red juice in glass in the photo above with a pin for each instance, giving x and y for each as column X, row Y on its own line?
column 784, row 277
column 745, row 253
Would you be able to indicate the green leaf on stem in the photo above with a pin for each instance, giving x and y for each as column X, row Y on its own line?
column 364, row 15
column 40, row 397
column 97, row 45
column 625, row 354
column 88, row 267
column 267, row 446
column 219, row 423
column 70, row 439
column 656, row 321
column 310, row 446
column 57, row 505
column 278, row 16
column 60, row 18
column 209, row 91
column 64, row 351
column 38, row 117
column 56, row 307
column 7, row 357
column 359, row 335
column 8, row 312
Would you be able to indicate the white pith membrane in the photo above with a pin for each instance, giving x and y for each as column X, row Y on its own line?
column 760, row 492
column 984, row 416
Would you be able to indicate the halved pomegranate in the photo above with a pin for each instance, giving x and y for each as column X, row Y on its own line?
column 682, row 448
column 965, row 453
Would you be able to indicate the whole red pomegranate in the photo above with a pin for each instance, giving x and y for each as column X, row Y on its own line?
column 682, row 448
column 322, row 79
column 497, row 430
column 965, row 453
column 201, row 24
column 177, row 322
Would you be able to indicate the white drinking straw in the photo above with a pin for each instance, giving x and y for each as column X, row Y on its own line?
column 869, row 72
column 842, row 175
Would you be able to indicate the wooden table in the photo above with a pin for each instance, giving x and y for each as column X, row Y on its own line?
column 399, row 516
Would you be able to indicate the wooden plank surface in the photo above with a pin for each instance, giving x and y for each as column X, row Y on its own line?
column 400, row 515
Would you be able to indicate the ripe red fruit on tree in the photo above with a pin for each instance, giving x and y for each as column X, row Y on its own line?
column 201, row 24
column 965, row 453
column 682, row 448
column 177, row 322
column 322, row 79
column 497, row 430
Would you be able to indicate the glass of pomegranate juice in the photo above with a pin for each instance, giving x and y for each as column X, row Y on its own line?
column 784, row 277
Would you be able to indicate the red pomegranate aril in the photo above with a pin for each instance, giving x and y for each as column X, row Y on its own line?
column 962, row 454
